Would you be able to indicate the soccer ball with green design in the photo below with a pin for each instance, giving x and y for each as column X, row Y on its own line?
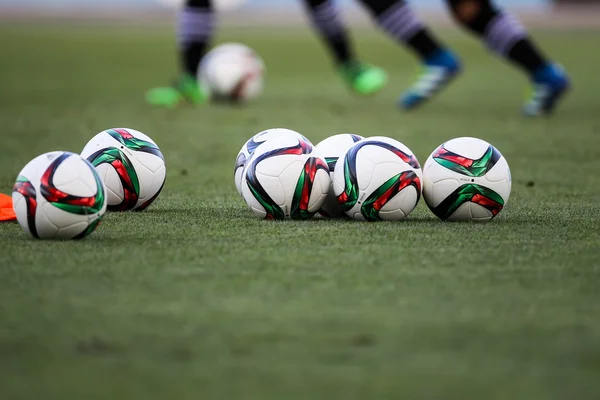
column 377, row 179
column 331, row 149
column 253, row 143
column 59, row 195
column 283, row 179
column 466, row 179
column 131, row 166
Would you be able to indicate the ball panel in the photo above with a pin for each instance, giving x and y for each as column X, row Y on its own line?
column 467, row 147
column 470, row 167
column 73, row 230
column 389, row 193
column 80, row 205
column 238, row 178
column 91, row 228
column 335, row 146
column 394, row 211
column 480, row 213
column 155, row 187
column 74, row 177
column 478, row 194
column 346, row 181
column 440, row 190
column 321, row 190
column 149, row 162
column 112, row 181
column 260, row 199
column 44, row 225
column 396, row 147
column 462, row 213
column 308, row 185
column 24, row 199
column 128, row 182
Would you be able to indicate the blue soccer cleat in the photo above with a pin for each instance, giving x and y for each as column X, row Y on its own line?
column 550, row 83
column 438, row 71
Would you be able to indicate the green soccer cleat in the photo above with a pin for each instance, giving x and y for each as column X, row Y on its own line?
column 185, row 90
column 362, row 78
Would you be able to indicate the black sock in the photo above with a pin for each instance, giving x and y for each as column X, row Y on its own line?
column 195, row 25
column 400, row 22
column 503, row 34
column 423, row 43
column 525, row 54
column 325, row 19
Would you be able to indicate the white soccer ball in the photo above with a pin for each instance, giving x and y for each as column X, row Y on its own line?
column 378, row 178
column 252, row 144
column 232, row 72
column 466, row 179
column 131, row 165
column 331, row 149
column 283, row 180
column 59, row 195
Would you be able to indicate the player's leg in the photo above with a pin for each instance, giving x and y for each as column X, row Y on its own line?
column 505, row 36
column 440, row 65
column 195, row 26
column 362, row 78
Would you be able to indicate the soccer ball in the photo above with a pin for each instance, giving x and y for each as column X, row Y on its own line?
column 250, row 146
column 59, row 195
column 232, row 72
column 378, row 178
column 466, row 179
column 331, row 149
column 131, row 165
column 284, row 180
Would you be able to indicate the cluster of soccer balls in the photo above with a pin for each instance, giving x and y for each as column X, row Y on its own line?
column 63, row 195
column 281, row 175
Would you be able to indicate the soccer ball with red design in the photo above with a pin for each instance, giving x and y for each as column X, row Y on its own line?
column 466, row 179
column 59, row 195
column 232, row 72
column 378, row 178
column 283, row 180
column 131, row 166
column 252, row 144
column 331, row 149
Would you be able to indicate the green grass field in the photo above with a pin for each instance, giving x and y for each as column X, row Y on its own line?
column 197, row 299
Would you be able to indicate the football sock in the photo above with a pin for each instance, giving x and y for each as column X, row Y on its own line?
column 325, row 18
column 502, row 33
column 399, row 21
column 195, row 26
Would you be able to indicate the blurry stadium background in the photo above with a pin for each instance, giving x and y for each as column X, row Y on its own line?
column 158, row 4
column 565, row 13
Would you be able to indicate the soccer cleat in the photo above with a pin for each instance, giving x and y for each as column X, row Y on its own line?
column 438, row 71
column 362, row 78
column 550, row 83
column 185, row 89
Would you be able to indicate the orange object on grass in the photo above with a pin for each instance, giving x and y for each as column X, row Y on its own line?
column 6, row 208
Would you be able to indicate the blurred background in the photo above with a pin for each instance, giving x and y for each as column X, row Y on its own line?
column 565, row 13
column 54, row 5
